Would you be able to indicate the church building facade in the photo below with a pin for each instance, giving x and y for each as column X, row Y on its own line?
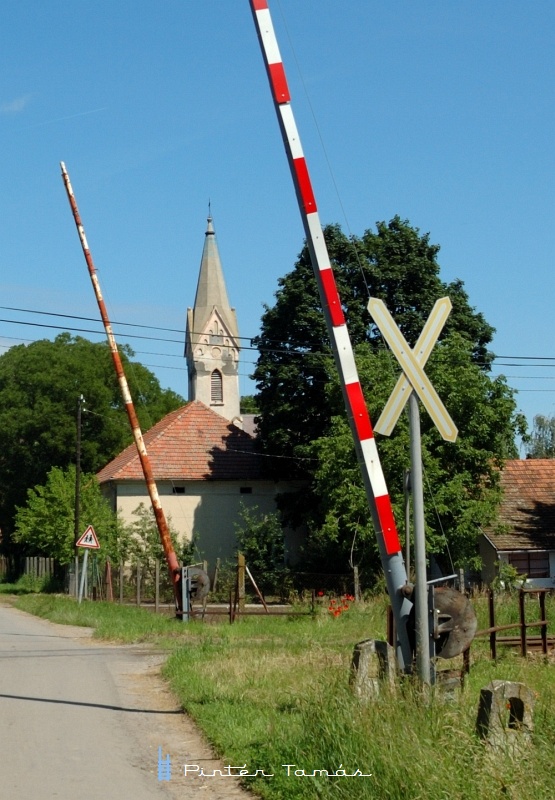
column 205, row 464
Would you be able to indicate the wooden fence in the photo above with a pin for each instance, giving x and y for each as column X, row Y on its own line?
column 523, row 640
column 32, row 566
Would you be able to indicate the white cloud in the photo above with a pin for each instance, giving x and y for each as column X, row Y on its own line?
column 15, row 106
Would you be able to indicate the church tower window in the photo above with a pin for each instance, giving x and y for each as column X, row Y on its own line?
column 216, row 387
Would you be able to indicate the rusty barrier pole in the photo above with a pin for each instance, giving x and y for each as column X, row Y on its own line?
column 163, row 530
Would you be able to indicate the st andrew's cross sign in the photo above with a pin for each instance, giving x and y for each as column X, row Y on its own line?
column 412, row 363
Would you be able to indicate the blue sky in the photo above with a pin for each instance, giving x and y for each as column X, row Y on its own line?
column 440, row 111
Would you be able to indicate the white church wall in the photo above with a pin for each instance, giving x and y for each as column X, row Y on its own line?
column 208, row 508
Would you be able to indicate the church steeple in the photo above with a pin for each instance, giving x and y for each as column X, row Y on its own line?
column 212, row 337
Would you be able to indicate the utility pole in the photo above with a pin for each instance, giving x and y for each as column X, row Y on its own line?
column 76, row 516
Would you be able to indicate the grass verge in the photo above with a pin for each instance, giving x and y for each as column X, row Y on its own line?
column 274, row 692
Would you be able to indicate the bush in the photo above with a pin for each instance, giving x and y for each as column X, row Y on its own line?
column 260, row 539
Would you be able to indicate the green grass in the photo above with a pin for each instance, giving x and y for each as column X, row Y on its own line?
column 269, row 692
column 27, row 584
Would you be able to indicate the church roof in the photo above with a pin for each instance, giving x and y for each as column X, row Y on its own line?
column 527, row 511
column 191, row 443
column 211, row 289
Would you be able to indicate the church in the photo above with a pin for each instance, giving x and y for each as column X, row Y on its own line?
column 203, row 455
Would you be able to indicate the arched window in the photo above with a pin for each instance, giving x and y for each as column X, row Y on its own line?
column 216, row 387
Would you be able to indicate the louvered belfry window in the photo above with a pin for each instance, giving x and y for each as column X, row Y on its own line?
column 216, row 387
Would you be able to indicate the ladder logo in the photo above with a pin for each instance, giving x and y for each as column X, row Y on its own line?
column 88, row 539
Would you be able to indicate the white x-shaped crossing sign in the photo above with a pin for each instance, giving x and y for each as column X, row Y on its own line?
column 412, row 363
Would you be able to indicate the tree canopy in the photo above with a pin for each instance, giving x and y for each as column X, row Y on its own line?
column 39, row 388
column 542, row 438
column 302, row 417
column 45, row 524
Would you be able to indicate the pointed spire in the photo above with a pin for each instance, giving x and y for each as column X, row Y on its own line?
column 212, row 336
column 211, row 288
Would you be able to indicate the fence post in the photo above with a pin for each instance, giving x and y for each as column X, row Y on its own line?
column 522, row 624
column 138, row 583
column 492, row 638
column 391, row 635
column 543, row 619
column 121, row 582
column 356, row 581
column 216, row 571
column 241, row 581
column 156, row 585
column 108, row 581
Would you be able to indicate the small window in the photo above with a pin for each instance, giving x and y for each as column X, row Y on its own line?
column 216, row 387
column 246, row 490
column 533, row 564
column 178, row 490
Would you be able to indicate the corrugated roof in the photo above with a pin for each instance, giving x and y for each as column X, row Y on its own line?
column 191, row 443
column 528, row 506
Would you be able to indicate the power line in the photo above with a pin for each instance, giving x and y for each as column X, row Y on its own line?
column 300, row 350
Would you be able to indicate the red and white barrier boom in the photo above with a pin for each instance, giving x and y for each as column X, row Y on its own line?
column 361, row 427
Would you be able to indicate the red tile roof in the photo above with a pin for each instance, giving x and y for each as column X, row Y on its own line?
column 528, row 506
column 192, row 443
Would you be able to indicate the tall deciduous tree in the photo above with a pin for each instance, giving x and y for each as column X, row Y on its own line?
column 542, row 438
column 302, row 419
column 45, row 524
column 39, row 387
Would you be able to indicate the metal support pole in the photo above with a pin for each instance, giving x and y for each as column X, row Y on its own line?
column 407, row 521
column 83, row 575
column 423, row 640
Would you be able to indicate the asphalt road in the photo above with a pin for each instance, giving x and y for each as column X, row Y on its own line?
column 84, row 720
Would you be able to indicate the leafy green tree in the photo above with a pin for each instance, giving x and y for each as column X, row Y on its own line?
column 260, row 539
column 145, row 546
column 542, row 438
column 249, row 404
column 396, row 264
column 39, row 387
column 460, row 480
column 45, row 525
column 302, row 412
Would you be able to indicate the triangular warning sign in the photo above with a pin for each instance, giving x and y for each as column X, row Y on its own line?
column 88, row 539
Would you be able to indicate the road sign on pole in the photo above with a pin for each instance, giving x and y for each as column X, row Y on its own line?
column 415, row 379
column 88, row 539
column 412, row 363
